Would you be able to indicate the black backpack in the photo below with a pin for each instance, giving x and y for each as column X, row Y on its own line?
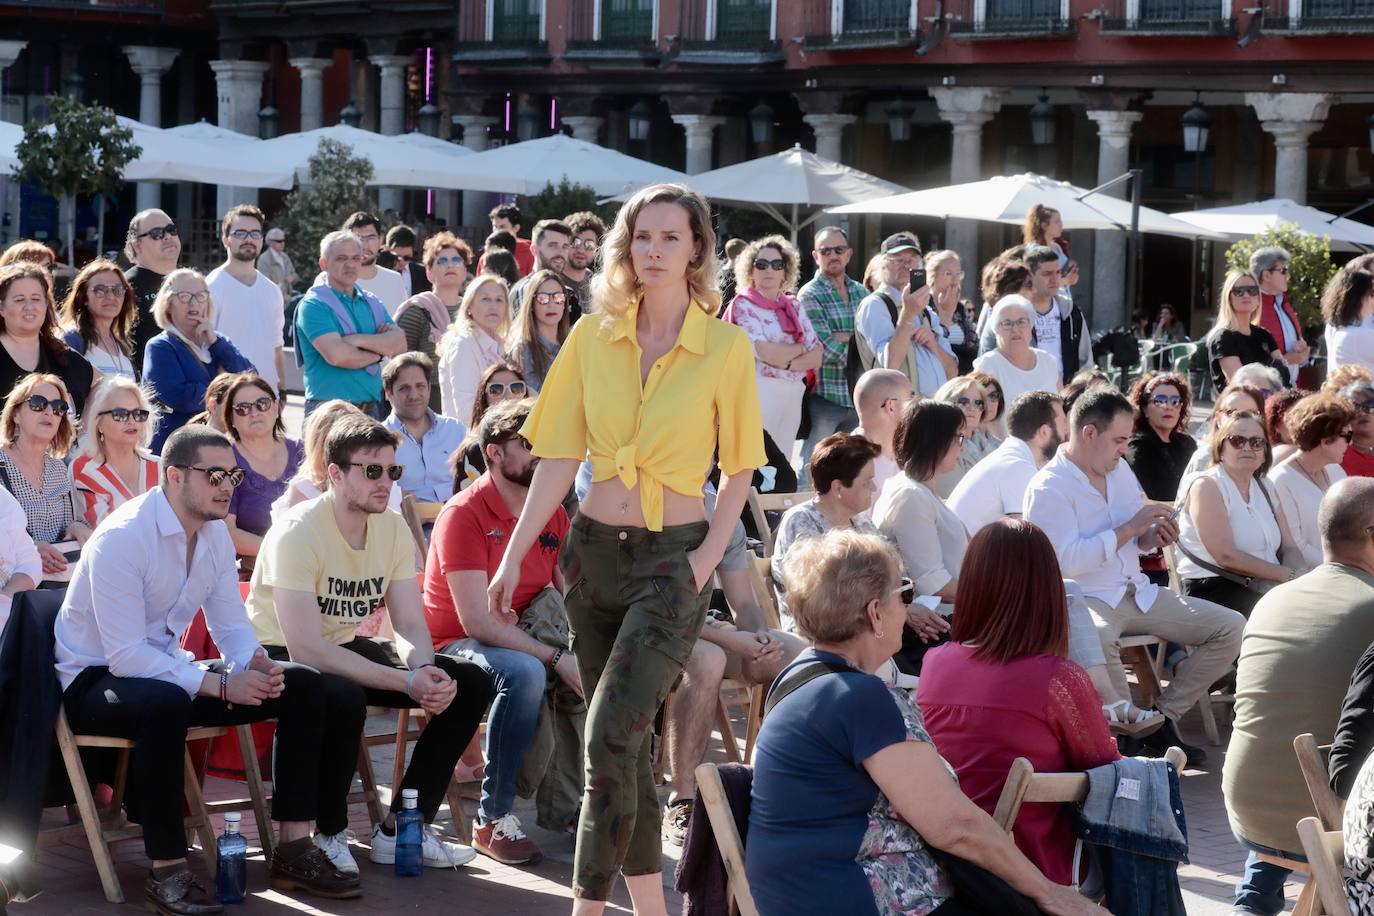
column 853, row 362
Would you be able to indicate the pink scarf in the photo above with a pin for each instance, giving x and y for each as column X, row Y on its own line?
column 432, row 304
column 784, row 307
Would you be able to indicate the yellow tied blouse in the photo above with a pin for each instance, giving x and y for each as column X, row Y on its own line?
column 660, row 433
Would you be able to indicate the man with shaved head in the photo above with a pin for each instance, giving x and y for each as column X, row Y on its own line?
column 1301, row 645
column 879, row 398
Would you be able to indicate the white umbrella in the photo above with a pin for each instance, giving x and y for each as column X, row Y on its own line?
column 397, row 161
column 169, row 156
column 525, row 168
column 204, row 130
column 1007, row 198
column 425, row 141
column 1245, row 220
column 793, row 179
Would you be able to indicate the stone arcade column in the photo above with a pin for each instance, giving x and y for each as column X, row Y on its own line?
column 829, row 130
column 393, row 99
column 1109, row 255
column 1292, row 117
column 966, row 109
column 700, row 129
column 150, row 63
column 9, row 191
column 584, row 127
column 238, row 90
column 312, row 90
column 474, row 128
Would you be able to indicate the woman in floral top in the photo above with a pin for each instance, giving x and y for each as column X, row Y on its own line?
column 785, row 345
column 850, row 797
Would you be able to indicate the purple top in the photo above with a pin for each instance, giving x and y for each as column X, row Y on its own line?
column 251, row 504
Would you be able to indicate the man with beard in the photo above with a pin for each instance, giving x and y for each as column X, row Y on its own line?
column 470, row 538
column 427, row 438
column 587, row 232
column 248, row 305
column 996, row 486
column 325, row 566
column 551, row 239
column 153, row 564
column 153, row 246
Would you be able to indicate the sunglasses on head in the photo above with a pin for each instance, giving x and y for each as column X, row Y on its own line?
column 1245, row 290
column 158, row 233
column 1166, row 400
column 1254, row 443
column 37, row 403
column 907, row 590
column 769, row 263
column 555, row 298
column 829, row 250
column 261, row 405
column 497, row 389
column 217, row 475
column 374, row 471
column 966, row 401
column 125, row 414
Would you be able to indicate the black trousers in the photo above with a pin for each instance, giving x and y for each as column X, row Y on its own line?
column 1223, row 592
column 316, row 746
column 442, row 742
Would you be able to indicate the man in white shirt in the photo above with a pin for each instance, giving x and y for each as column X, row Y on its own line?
column 143, row 575
column 879, row 398
column 248, row 305
column 385, row 284
column 1087, row 500
column 996, row 486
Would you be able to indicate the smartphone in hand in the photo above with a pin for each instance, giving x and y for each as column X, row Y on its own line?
column 918, row 279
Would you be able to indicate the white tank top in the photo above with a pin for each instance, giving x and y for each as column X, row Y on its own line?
column 1254, row 528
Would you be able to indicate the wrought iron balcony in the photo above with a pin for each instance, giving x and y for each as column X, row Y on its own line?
column 859, row 23
column 614, row 31
column 513, row 36
column 1166, row 17
column 1008, row 18
column 1319, row 16
column 726, row 31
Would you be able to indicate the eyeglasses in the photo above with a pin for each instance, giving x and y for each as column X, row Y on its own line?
column 1014, row 324
column 1254, row 443
column 584, row 244
column 37, row 403
column 521, row 441
column 497, row 389
column 245, row 234
column 217, row 476
column 101, row 291
column 158, row 233
column 1278, row 270
column 1366, row 407
column 1347, row 434
column 1166, row 400
column 125, row 414
column 374, row 471
column 445, row 259
column 769, row 264
column 261, row 405
column 967, row 401
column 830, row 250
column 1245, row 290
column 199, row 298
column 404, row 258
column 907, row 590
column 277, row 240
column 555, row 298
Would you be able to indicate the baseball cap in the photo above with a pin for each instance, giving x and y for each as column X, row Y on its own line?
column 901, row 241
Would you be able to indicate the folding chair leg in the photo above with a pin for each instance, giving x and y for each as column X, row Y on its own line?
column 1306, row 903
column 257, row 792
column 1209, row 719
column 727, row 734
column 90, row 817
column 758, row 694
column 200, row 816
column 369, row 781
column 455, row 809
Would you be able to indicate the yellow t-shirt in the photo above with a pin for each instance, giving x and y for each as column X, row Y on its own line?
column 661, row 433
column 304, row 551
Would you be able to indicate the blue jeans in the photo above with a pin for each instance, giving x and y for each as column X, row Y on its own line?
column 1260, row 889
column 826, row 417
column 519, row 680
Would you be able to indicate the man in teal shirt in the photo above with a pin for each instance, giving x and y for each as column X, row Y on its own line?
column 343, row 334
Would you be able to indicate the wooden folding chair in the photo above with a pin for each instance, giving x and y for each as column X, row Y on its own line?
column 399, row 738
column 727, row 840
column 1025, row 785
column 1312, row 759
column 427, row 513
column 762, row 503
column 411, row 513
column 1325, row 850
column 102, row 828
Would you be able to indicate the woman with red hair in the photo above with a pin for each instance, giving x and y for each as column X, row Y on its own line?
column 1005, row 687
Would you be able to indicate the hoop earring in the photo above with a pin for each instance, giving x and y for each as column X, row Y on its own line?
column 879, row 633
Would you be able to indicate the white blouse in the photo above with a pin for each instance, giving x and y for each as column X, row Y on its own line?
column 928, row 535
column 460, row 370
column 1300, row 499
column 1043, row 376
column 1254, row 527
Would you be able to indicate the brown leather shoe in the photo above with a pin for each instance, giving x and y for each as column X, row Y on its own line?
column 179, row 894
column 306, row 867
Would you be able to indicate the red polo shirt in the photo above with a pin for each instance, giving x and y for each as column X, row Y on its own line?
column 471, row 533
column 1357, row 464
column 524, row 257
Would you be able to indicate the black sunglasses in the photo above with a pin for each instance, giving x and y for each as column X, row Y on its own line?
column 1251, row 442
column 769, row 264
column 124, row 414
column 374, row 471
column 217, row 476
column 261, row 405
column 1245, row 290
column 1348, row 435
column 37, row 403
column 496, row 389
column 829, row 250
column 965, row 401
column 157, row 233
column 907, row 589
column 1364, row 406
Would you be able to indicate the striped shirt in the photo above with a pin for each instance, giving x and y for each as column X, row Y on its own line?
column 100, row 490
column 831, row 315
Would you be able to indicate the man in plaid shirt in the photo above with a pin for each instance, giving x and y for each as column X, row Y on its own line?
column 830, row 299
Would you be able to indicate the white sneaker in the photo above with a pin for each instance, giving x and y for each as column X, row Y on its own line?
column 438, row 852
column 335, row 847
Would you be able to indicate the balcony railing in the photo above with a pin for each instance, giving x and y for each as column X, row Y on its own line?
column 721, row 31
column 1007, row 18
column 1167, row 17
column 859, row 23
column 512, row 35
column 1319, row 16
column 121, row 7
column 611, row 30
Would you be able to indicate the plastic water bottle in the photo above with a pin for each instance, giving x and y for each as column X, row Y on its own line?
column 231, row 874
column 410, row 862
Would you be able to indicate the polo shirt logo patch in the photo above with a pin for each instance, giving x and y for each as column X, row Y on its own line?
column 496, row 534
column 548, row 542
column 354, row 598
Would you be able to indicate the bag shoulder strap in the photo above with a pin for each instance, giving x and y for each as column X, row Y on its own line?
column 1226, row 574
column 891, row 306
column 804, row 674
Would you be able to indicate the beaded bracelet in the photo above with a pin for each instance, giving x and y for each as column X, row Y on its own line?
column 224, row 686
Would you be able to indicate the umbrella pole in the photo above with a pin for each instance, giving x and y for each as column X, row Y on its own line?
column 794, row 225
column 1133, row 249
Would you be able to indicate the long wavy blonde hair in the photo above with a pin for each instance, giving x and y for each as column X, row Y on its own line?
column 616, row 286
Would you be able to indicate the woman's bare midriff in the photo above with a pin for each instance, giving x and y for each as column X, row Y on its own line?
column 612, row 503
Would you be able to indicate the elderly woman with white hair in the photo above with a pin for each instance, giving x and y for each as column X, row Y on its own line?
column 114, row 464
column 1017, row 366
column 180, row 362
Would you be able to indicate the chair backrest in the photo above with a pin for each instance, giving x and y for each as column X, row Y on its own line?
column 411, row 513
column 1313, row 762
column 727, row 837
column 762, row 503
column 761, row 569
column 1025, row 785
column 1325, row 851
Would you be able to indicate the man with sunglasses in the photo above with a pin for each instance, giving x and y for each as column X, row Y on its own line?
column 1269, row 266
column 469, row 542
column 276, row 264
column 427, row 438
column 248, row 305
column 587, row 232
column 143, row 575
column 153, row 246
column 398, row 254
column 551, row 241
column 324, row 567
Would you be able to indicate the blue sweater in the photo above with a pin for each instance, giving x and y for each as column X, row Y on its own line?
column 177, row 380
